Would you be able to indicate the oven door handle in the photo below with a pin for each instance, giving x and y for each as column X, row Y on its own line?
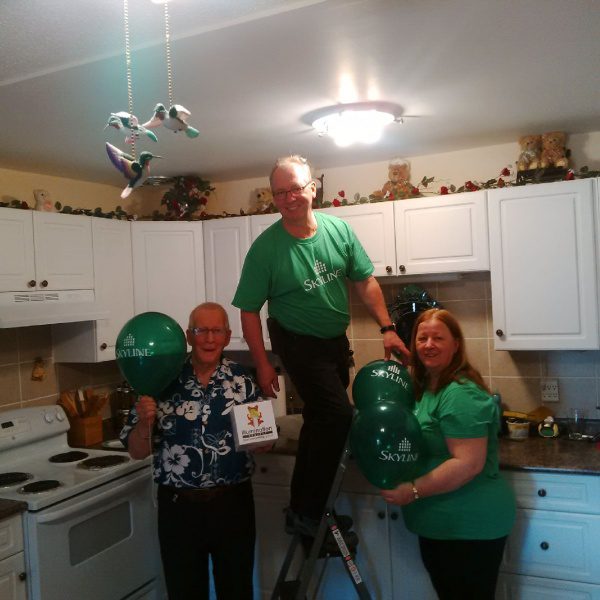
column 98, row 500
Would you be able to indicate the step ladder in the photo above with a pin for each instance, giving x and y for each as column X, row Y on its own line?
column 313, row 550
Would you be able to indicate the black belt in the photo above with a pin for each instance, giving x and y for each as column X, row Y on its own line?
column 197, row 495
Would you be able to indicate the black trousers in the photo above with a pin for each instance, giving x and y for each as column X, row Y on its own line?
column 224, row 528
column 319, row 369
column 463, row 569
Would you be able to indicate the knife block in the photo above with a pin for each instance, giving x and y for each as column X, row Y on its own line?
column 85, row 431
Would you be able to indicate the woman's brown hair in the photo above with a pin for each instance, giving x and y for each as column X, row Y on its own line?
column 459, row 367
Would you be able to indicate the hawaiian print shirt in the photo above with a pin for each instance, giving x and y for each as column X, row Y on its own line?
column 193, row 437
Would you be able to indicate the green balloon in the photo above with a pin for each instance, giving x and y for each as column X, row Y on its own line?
column 150, row 351
column 383, row 380
column 386, row 441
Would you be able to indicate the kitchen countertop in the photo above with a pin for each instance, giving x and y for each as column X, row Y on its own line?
column 535, row 453
column 8, row 508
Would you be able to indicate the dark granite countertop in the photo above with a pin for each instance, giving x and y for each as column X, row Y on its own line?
column 558, row 455
column 8, row 508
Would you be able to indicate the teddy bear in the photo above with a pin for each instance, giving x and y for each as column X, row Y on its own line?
column 531, row 147
column 263, row 199
column 43, row 201
column 554, row 153
column 398, row 185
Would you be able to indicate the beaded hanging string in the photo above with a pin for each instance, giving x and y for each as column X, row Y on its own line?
column 168, row 55
column 128, row 68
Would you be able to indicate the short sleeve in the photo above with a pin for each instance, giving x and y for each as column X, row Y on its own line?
column 466, row 411
column 253, row 288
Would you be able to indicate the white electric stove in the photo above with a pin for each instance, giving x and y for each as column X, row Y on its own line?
column 90, row 524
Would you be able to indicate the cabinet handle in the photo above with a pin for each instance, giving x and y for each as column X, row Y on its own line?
column 381, row 514
column 541, row 493
column 499, row 332
column 103, row 346
column 22, row 576
column 394, row 516
column 388, row 269
column 44, row 283
column 402, row 269
column 544, row 545
column 31, row 283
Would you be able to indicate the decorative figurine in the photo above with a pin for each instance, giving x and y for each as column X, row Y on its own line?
column 123, row 120
column 175, row 119
column 548, row 428
column 135, row 171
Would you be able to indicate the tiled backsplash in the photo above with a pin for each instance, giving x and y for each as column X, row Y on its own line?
column 516, row 375
column 19, row 348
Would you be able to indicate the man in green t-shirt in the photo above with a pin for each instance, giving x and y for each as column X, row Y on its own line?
column 300, row 266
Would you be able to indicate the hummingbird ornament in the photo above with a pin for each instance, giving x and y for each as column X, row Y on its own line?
column 123, row 120
column 136, row 171
column 175, row 119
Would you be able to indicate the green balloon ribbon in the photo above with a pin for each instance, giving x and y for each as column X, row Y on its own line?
column 383, row 380
column 150, row 351
column 386, row 442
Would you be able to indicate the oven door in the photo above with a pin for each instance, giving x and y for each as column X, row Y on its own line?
column 100, row 545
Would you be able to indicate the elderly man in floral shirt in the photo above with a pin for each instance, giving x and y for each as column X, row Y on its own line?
column 205, row 502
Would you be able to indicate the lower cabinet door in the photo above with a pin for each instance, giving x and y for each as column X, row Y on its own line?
column 12, row 578
column 556, row 545
column 521, row 587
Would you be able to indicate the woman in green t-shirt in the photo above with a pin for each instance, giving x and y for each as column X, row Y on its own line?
column 459, row 504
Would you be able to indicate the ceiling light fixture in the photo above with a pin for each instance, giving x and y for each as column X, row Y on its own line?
column 355, row 122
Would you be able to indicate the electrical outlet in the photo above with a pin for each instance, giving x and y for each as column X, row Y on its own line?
column 550, row 390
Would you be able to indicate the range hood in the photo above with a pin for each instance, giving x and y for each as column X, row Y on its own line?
column 23, row 309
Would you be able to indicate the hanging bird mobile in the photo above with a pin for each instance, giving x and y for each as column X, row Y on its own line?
column 175, row 119
column 136, row 171
column 123, row 120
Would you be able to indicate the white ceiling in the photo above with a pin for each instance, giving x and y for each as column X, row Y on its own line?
column 468, row 73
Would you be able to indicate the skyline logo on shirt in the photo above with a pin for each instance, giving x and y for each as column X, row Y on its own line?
column 323, row 277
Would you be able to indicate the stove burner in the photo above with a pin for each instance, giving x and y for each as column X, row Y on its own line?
column 37, row 487
column 102, row 462
column 68, row 457
column 8, row 479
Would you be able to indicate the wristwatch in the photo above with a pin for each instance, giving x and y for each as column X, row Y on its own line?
column 387, row 328
column 415, row 491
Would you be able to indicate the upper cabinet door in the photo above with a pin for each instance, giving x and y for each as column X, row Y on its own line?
column 258, row 223
column 373, row 225
column 168, row 268
column 63, row 251
column 226, row 242
column 17, row 267
column 543, row 267
column 442, row 234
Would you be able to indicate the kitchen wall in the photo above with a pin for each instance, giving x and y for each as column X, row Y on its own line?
column 516, row 375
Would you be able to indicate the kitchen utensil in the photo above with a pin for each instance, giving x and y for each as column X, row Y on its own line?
column 577, row 423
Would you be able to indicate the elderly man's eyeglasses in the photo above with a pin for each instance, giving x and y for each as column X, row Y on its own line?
column 295, row 191
column 204, row 331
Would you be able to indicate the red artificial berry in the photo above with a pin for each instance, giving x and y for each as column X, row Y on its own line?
column 336, row 202
column 570, row 175
column 443, row 190
column 342, row 194
column 505, row 172
column 501, row 182
column 203, row 200
column 414, row 191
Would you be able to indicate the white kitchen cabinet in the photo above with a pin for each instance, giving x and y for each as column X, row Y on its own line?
column 543, row 266
column 168, row 268
column 13, row 585
column 442, row 234
column 554, row 548
column 45, row 251
column 373, row 225
column 94, row 341
column 226, row 243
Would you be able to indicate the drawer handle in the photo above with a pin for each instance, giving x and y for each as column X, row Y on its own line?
column 388, row 269
column 44, row 283
column 103, row 346
column 22, row 576
column 394, row 516
column 499, row 332
column 544, row 545
column 402, row 269
column 31, row 283
column 541, row 493
column 381, row 514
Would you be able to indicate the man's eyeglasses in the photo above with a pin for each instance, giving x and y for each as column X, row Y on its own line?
column 295, row 191
column 204, row 331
